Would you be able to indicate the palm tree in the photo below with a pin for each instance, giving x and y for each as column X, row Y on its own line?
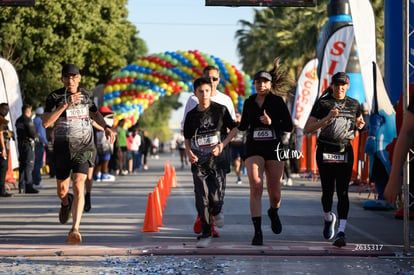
column 289, row 33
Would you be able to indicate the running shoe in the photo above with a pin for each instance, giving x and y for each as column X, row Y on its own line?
column 329, row 228
column 339, row 239
column 204, row 242
column 97, row 177
column 239, row 181
column 64, row 212
column 107, row 177
column 197, row 226
column 219, row 220
column 274, row 218
column 88, row 205
column 258, row 238
column 74, row 237
column 214, row 233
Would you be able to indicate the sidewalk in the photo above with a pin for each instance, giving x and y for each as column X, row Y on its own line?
column 30, row 228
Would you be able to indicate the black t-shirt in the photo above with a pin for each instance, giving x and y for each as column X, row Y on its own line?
column 340, row 129
column 206, row 129
column 259, row 134
column 25, row 129
column 74, row 126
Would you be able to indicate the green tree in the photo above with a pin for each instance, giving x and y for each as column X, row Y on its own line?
column 290, row 33
column 94, row 34
column 155, row 118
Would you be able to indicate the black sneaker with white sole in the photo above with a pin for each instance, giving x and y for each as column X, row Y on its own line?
column 329, row 228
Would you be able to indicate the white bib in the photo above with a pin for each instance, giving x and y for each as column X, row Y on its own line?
column 260, row 134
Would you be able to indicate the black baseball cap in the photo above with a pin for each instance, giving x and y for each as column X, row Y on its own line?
column 262, row 74
column 70, row 69
column 340, row 78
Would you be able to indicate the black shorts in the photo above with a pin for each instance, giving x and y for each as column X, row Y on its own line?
column 66, row 162
column 266, row 150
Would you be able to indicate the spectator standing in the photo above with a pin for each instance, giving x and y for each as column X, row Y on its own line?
column 181, row 148
column 155, row 147
column 136, row 154
column 26, row 135
column 40, row 144
column 123, row 147
column 147, row 145
column 5, row 136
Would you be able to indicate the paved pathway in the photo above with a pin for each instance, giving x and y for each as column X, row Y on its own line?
column 31, row 236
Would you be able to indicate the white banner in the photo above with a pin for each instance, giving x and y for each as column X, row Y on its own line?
column 10, row 93
column 335, row 56
column 306, row 93
column 364, row 28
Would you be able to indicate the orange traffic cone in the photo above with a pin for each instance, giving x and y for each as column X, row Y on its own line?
column 163, row 193
column 173, row 181
column 167, row 172
column 157, row 203
column 9, row 174
column 150, row 221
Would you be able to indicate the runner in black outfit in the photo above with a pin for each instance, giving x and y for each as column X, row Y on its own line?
column 337, row 115
column 203, row 128
column 265, row 117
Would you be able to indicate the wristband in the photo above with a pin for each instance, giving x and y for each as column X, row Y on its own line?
column 106, row 126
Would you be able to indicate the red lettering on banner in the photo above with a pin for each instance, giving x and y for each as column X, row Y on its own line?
column 304, row 93
column 338, row 48
column 332, row 67
column 307, row 84
column 324, row 84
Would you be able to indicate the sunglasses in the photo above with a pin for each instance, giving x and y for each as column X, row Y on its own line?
column 213, row 78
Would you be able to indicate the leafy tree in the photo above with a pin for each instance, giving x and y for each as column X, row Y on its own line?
column 155, row 118
column 290, row 33
column 94, row 34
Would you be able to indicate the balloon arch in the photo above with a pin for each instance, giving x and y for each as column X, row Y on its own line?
column 137, row 86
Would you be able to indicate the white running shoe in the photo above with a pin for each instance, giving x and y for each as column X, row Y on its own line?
column 219, row 220
column 204, row 242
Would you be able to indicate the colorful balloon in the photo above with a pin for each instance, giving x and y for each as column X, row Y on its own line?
column 136, row 86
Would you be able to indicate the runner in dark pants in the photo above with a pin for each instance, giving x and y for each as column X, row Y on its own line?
column 337, row 116
column 203, row 128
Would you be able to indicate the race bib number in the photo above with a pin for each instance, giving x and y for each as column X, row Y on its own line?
column 77, row 112
column 263, row 134
column 334, row 158
column 207, row 141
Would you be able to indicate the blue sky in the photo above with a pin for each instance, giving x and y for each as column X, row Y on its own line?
column 168, row 25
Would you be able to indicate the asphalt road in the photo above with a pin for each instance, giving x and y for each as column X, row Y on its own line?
column 32, row 241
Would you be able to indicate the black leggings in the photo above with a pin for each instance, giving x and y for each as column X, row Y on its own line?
column 338, row 174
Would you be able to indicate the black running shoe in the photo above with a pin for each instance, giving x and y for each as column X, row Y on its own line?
column 329, row 228
column 274, row 218
column 258, row 238
column 64, row 212
column 87, row 206
column 339, row 240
